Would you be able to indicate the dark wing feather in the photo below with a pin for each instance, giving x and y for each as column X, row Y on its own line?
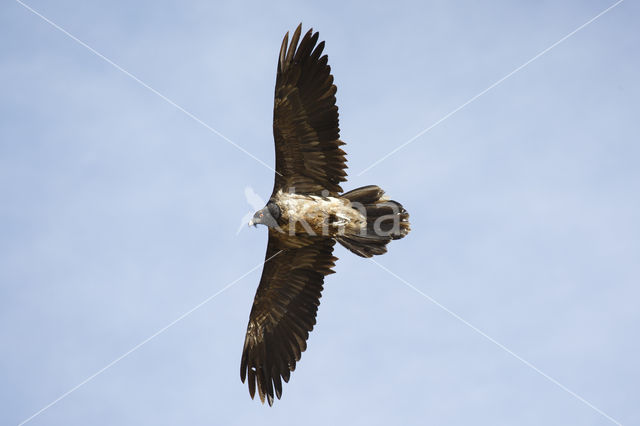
column 305, row 120
column 283, row 312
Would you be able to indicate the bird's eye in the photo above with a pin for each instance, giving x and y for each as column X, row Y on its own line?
column 261, row 214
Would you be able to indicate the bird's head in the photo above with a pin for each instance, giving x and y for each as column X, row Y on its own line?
column 268, row 216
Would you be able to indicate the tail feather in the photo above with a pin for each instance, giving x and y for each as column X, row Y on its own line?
column 362, row 246
column 386, row 220
column 365, row 194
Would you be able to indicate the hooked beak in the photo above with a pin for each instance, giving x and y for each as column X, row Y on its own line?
column 252, row 223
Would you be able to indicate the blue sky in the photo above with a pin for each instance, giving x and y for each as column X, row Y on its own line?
column 118, row 213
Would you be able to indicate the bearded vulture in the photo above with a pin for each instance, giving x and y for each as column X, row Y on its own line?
column 305, row 215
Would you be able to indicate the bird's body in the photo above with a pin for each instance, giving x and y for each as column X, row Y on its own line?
column 317, row 215
column 306, row 214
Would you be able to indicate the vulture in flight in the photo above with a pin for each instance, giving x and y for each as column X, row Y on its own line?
column 305, row 215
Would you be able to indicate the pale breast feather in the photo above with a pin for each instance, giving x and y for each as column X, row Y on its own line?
column 326, row 216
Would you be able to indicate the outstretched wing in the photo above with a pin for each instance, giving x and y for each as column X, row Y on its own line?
column 305, row 120
column 284, row 311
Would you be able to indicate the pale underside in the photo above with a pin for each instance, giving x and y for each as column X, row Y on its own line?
column 322, row 216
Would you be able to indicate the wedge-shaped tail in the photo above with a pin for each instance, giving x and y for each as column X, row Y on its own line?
column 386, row 220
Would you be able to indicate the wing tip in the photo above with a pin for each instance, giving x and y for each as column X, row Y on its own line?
column 283, row 51
column 288, row 49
